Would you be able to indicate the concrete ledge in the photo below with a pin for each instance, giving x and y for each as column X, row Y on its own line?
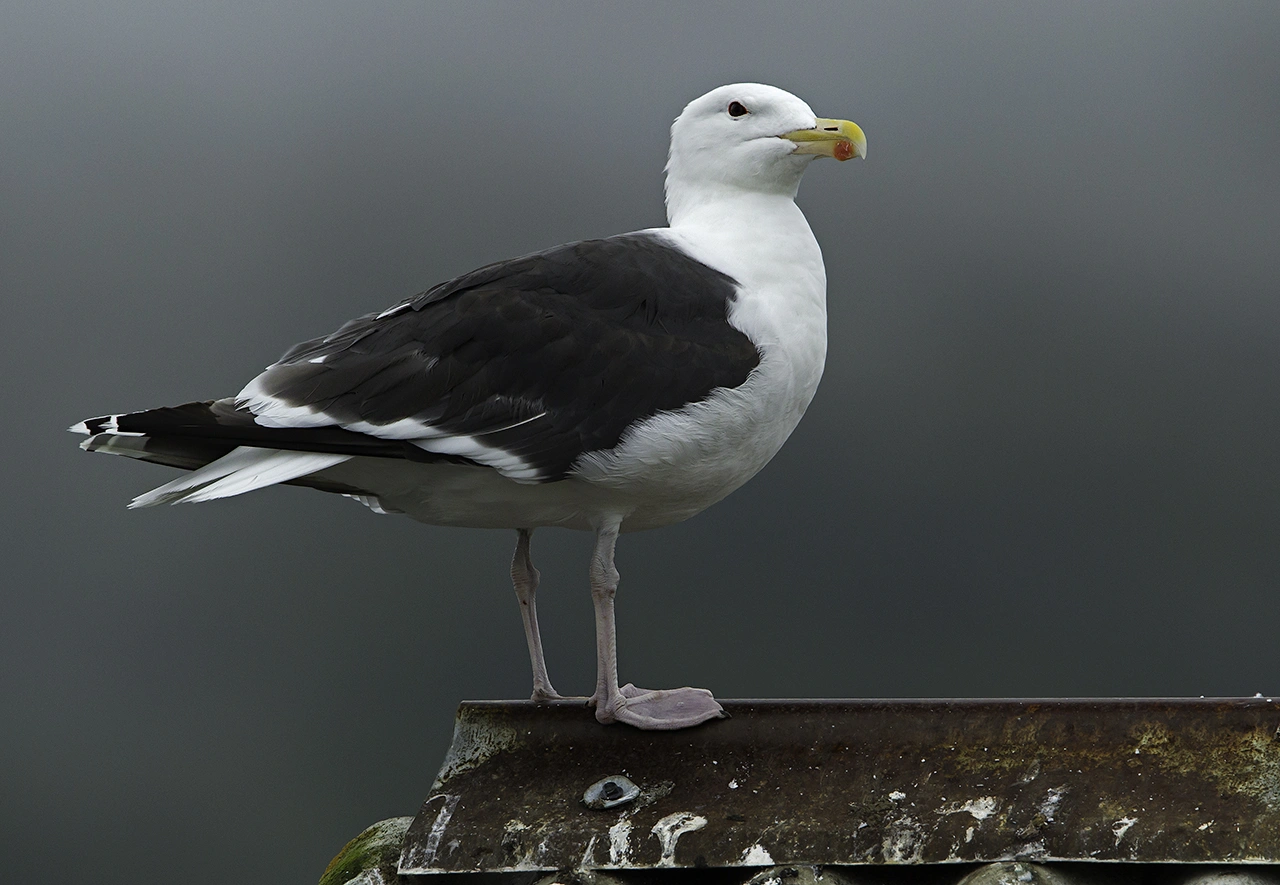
column 824, row 783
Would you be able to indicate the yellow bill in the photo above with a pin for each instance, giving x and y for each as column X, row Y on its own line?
column 841, row 139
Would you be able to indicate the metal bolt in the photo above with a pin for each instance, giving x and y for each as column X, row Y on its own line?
column 610, row 792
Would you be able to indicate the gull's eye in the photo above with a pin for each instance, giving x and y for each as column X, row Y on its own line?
column 736, row 109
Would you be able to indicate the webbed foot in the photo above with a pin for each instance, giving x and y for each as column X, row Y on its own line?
column 661, row 710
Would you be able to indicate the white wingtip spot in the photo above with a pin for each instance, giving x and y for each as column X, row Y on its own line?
column 110, row 426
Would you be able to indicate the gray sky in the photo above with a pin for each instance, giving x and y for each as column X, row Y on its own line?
column 1043, row 460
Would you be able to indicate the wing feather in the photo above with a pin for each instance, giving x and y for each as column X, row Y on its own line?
column 523, row 365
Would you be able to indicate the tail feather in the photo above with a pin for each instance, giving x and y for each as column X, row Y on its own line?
column 242, row 470
column 229, row 453
column 222, row 423
column 187, row 454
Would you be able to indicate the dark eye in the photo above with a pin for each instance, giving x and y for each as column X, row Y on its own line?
column 736, row 109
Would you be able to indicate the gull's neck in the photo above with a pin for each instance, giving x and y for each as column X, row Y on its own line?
column 688, row 198
column 760, row 235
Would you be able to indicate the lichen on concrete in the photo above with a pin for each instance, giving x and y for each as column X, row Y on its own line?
column 370, row 858
column 1246, row 762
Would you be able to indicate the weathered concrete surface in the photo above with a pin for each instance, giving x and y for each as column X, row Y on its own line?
column 859, row 782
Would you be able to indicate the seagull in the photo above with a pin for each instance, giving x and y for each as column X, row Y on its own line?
column 606, row 385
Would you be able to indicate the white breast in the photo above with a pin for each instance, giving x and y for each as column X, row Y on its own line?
column 676, row 464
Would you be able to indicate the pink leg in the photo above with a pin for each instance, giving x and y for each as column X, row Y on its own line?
column 650, row 710
column 524, row 577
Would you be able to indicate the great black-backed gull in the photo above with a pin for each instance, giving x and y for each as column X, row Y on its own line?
column 607, row 385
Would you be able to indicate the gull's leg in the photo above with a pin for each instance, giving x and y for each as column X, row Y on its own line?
column 524, row 577
column 604, row 586
column 652, row 710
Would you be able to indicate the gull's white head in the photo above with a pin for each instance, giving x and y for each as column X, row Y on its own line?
column 754, row 137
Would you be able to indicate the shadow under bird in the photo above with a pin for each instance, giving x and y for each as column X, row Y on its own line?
column 607, row 385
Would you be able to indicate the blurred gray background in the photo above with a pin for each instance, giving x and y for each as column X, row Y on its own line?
column 1043, row 461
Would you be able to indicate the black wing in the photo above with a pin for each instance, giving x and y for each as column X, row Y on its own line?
column 543, row 357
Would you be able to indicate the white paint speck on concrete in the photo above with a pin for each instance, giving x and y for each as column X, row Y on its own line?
column 671, row 828
column 1122, row 826
column 757, row 856
column 620, row 843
